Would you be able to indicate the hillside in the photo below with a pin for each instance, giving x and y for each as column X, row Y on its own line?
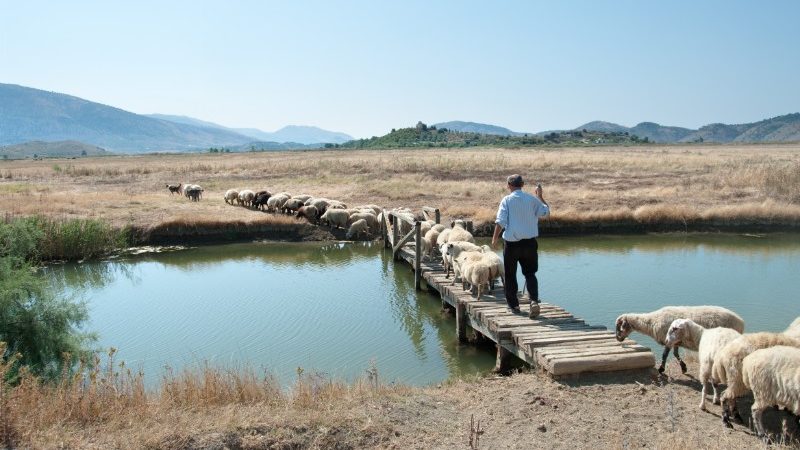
column 777, row 129
column 289, row 134
column 474, row 127
column 424, row 136
column 28, row 114
column 40, row 149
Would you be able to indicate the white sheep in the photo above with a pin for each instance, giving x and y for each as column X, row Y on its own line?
column 453, row 250
column 656, row 324
column 357, row 227
column 438, row 227
column 429, row 243
column 461, row 261
column 496, row 264
column 475, row 273
column 793, row 330
column 336, row 218
column 371, row 219
column 246, row 197
column 302, row 197
column 459, row 233
column 773, row 374
column 291, row 205
column 708, row 342
column 728, row 366
column 231, row 195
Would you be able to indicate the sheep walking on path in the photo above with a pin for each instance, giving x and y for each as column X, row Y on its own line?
column 773, row 374
column 708, row 342
column 656, row 324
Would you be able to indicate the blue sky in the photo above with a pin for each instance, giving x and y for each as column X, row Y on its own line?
column 364, row 67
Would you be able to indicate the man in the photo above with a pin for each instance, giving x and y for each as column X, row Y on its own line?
column 518, row 219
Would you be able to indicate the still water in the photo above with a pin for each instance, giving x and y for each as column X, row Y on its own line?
column 337, row 309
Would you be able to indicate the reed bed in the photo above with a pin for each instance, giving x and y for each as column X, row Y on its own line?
column 111, row 396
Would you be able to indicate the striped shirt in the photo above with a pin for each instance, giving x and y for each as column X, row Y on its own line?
column 519, row 214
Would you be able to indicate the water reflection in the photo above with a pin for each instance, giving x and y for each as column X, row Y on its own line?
column 334, row 307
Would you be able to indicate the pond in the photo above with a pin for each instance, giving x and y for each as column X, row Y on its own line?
column 339, row 309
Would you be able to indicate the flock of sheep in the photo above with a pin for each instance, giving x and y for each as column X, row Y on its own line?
column 768, row 364
column 358, row 221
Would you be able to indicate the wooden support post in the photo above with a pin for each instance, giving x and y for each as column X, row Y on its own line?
column 438, row 216
column 461, row 322
column 395, row 233
column 417, row 255
column 503, row 358
column 384, row 231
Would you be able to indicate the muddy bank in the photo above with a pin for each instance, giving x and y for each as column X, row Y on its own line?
column 236, row 231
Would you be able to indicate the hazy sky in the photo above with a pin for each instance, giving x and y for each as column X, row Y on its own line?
column 364, row 67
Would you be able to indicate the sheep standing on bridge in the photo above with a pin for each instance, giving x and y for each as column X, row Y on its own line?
column 656, row 324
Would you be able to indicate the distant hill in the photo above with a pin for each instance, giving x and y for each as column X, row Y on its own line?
column 288, row 134
column 599, row 125
column 474, row 127
column 777, row 129
column 50, row 149
column 28, row 114
column 433, row 136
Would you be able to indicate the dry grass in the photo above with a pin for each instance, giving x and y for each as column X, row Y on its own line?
column 108, row 407
column 748, row 183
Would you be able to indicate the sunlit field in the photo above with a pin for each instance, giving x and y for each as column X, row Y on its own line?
column 646, row 184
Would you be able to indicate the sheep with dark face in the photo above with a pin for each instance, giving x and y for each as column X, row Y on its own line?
column 174, row 188
column 261, row 198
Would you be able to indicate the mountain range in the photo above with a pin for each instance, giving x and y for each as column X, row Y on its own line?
column 28, row 114
column 784, row 128
column 290, row 133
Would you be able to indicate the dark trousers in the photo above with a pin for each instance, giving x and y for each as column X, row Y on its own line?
column 526, row 253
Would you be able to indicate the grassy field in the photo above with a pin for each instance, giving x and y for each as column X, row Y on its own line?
column 639, row 185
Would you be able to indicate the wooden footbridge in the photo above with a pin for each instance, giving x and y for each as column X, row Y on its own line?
column 555, row 341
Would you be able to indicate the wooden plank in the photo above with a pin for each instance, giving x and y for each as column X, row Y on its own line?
column 591, row 351
column 603, row 363
column 547, row 362
column 542, row 342
column 564, row 333
column 565, row 350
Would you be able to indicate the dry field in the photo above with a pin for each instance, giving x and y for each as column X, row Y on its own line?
column 639, row 185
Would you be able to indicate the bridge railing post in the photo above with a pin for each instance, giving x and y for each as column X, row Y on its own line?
column 395, row 235
column 417, row 255
column 438, row 216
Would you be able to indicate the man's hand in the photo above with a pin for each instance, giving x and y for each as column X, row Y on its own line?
column 538, row 191
column 496, row 235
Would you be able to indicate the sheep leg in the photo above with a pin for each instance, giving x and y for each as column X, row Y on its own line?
column 664, row 356
column 678, row 357
column 715, row 400
column 758, row 412
column 703, row 394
